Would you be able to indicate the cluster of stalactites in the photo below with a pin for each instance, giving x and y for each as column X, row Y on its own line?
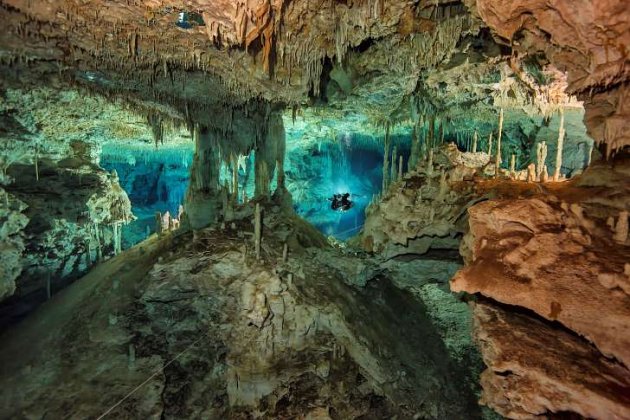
column 207, row 199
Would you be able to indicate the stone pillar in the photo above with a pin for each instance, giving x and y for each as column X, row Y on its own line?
column 202, row 198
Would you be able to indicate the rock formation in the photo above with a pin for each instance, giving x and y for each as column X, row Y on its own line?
column 425, row 209
column 513, row 119
column 554, row 255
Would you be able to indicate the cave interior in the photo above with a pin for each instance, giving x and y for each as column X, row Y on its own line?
column 315, row 209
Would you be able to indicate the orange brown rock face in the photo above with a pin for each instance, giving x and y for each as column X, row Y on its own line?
column 562, row 254
column 535, row 254
column 535, row 368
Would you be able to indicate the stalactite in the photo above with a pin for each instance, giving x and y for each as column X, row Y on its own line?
column 541, row 158
column 413, row 157
column 561, row 132
column 386, row 159
column 474, row 145
column 431, row 134
column 201, row 203
column 393, row 167
column 497, row 162
column 234, row 161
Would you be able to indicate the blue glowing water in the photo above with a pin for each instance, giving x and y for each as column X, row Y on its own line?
column 348, row 164
column 156, row 180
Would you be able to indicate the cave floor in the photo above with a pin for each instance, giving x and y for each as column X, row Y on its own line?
column 185, row 325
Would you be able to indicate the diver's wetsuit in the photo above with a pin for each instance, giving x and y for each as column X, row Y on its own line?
column 341, row 202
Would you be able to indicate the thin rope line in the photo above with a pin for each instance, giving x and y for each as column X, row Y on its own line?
column 149, row 378
column 350, row 230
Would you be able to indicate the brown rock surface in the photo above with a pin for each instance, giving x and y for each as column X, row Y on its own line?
column 207, row 331
column 536, row 368
column 551, row 257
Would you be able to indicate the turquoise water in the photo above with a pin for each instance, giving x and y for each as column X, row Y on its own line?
column 156, row 180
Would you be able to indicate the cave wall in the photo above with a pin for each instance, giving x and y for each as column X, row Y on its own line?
column 59, row 207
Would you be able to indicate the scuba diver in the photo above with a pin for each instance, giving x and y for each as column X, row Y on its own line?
column 341, row 202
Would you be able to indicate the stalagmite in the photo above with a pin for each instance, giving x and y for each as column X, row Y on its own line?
column 621, row 228
column 556, row 173
column 261, row 178
column 131, row 356
column 430, row 163
column 541, row 158
column 117, row 238
column 166, row 221
column 443, row 186
column 202, row 197
column 99, row 246
column 158, row 223
column 285, row 252
column 513, row 166
column 36, row 163
column 413, row 157
column 400, row 168
column 497, row 162
column 474, row 145
column 48, row 286
column 257, row 230
column 544, row 175
column 393, row 166
column 531, row 172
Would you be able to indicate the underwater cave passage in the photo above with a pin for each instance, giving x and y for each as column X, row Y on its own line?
column 155, row 180
column 318, row 168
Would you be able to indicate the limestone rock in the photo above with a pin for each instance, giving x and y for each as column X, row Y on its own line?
column 425, row 209
column 536, row 368
column 538, row 254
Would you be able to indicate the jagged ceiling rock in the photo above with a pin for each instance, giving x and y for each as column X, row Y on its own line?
column 369, row 58
column 586, row 39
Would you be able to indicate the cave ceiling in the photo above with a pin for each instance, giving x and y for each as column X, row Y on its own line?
column 367, row 62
